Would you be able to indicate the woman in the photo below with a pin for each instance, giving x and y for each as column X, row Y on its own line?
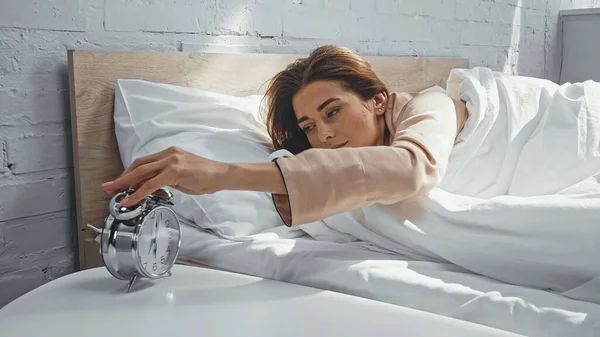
column 354, row 144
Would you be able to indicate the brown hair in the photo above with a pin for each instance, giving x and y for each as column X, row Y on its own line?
column 328, row 62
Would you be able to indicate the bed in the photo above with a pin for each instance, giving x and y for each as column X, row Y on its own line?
column 356, row 268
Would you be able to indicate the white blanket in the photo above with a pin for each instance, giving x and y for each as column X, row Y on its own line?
column 439, row 288
column 520, row 201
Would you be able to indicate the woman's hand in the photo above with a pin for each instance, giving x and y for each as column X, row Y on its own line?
column 172, row 167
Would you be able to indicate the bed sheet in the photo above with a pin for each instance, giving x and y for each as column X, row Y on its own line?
column 358, row 269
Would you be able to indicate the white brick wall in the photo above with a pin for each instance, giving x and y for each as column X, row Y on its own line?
column 323, row 24
column 337, row 4
column 185, row 16
column 17, row 283
column 33, row 106
column 32, row 153
column 35, row 159
column 26, row 198
column 52, row 15
column 444, row 9
column 3, row 155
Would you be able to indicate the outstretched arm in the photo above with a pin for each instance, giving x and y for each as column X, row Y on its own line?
column 193, row 175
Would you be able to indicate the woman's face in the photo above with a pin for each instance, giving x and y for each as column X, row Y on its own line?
column 333, row 117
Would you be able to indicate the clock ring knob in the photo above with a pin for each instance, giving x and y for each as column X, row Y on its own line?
column 163, row 195
column 124, row 213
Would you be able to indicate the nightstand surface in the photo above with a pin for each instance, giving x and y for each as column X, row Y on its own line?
column 207, row 302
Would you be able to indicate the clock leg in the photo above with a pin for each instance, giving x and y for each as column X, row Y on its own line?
column 96, row 230
column 131, row 281
column 169, row 272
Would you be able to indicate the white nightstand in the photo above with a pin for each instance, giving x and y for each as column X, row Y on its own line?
column 205, row 302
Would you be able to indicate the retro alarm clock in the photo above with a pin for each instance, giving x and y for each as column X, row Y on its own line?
column 142, row 240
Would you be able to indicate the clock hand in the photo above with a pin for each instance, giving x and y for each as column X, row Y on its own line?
column 155, row 236
column 153, row 240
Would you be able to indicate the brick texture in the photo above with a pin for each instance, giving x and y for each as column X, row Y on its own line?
column 325, row 24
column 36, row 234
column 15, row 284
column 386, row 6
column 337, row 4
column 54, row 15
column 444, row 9
column 185, row 16
column 35, row 197
column 51, row 262
column 25, row 273
column 33, row 106
column 38, row 153
column 3, row 160
column 362, row 6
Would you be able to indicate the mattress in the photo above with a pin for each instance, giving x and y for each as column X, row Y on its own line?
column 361, row 270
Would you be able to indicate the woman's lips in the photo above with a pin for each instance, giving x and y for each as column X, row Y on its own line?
column 340, row 145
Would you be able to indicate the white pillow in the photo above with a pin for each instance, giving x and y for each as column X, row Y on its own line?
column 434, row 88
column 150, row 117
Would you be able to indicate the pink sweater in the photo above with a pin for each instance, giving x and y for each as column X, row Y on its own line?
column 324, row 182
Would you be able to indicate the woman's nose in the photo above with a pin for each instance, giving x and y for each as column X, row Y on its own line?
column 325, row 133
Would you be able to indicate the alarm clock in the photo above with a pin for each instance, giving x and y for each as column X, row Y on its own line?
column 142, row 240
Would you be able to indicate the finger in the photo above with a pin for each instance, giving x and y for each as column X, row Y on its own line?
column 136, row 176
column 144, row 160
column 139, row 184
column 163, row 179
column 111, row 192
column 137, row 163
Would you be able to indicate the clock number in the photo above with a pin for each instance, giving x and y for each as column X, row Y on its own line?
column 168, row 249
column 167, row 224
column 145, row 265
column 162, row 260
column 153, row 215
column 154, row 267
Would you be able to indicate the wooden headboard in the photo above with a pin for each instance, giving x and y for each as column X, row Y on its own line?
column 92, row 77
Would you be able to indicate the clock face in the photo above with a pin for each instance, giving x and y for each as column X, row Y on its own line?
column 158, row 241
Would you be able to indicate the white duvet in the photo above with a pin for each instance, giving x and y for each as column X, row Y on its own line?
column 359, row 269
column 520, row 202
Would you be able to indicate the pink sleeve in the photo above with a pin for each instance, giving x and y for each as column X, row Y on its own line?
column 324, row 182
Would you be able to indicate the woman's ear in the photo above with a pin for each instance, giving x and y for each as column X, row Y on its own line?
column 380, row 102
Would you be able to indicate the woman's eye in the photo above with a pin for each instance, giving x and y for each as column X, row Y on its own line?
column 333, row 112
column 307, row 128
